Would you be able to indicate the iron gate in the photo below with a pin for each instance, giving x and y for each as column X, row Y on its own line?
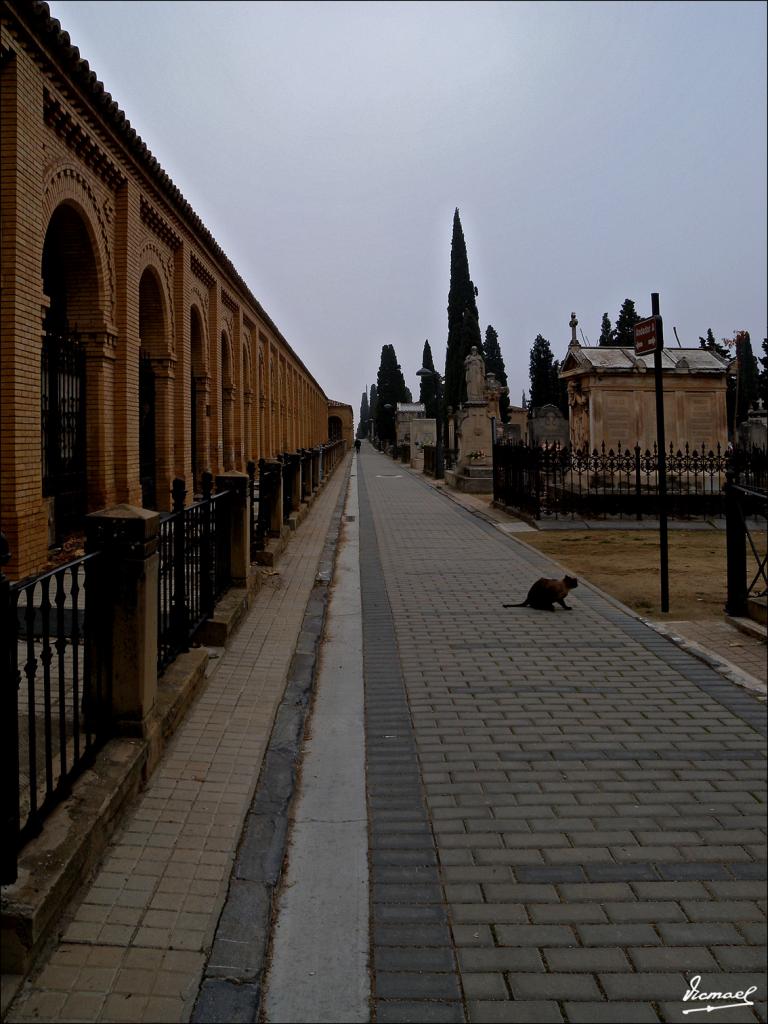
column 62, row 397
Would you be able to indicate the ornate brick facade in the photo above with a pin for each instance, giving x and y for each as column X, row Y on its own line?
column 132, row 351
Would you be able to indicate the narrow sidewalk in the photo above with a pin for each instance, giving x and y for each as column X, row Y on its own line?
column 133, row 947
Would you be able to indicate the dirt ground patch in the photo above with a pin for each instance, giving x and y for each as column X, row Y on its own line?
column 625, row 564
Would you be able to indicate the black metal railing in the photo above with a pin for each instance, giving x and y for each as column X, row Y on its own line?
column 270, row 475
column 290, row 462
column 56, row 693
column 253, row 506
column 194, row 570
column 404, row 452
column 550, row 480
column 430, row 457
column 746, row 517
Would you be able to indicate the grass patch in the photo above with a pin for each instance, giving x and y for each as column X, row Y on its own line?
column 625, row 564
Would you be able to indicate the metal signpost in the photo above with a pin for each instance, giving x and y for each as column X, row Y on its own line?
column 649, row 337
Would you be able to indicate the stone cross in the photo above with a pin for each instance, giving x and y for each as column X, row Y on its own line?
column 573, row 323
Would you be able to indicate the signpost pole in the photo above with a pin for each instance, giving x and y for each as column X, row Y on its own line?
column 662, row 457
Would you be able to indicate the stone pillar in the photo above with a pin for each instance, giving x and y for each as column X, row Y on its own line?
column 101, row 355
column 126, row 585
column 240, row 524
column 164, row 371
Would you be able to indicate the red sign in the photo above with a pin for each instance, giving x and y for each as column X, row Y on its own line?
column 648, row 336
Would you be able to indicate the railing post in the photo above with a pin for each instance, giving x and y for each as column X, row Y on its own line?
column 125, row 589
column 638, row 489
column 180, row 604
column 236, row 485
column 9, row 725
column 736, row 549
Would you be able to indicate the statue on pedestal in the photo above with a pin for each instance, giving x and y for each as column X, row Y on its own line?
column 474, row 370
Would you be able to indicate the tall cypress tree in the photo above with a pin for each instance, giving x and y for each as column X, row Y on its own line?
column 747, row 380
column 373, row 406
column 428, row 385
column 628, row 317
column 543, row 374
column 711, row 345
column 463, row 319
column 607, row 333
column 390, row 389
column 494, row 363
column 763, row 375
column 362, row 426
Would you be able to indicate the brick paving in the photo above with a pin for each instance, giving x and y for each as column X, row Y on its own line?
column 596, row 795
column 134, row 946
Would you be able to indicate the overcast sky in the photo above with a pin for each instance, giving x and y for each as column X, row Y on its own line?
column 596, row 151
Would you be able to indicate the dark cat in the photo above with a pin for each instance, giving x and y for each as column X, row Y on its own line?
column 544, row 593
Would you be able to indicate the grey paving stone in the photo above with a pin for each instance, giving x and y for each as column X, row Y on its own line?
column 611, row 1013
column 618, row 935
column 589, row 960
column 672, row 958
column 413, row 958
column 484, row 986
column 554, row 986
column 536, row 935
column 500, row 959
column 404, row 1012
column 423, row 985
column 520, row 1011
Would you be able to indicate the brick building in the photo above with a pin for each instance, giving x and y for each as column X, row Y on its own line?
column 131, row 350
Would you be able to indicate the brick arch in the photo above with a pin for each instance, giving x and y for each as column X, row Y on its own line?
column 152, row 258
column 154, row 314
column 66, row 185
column 201, row 361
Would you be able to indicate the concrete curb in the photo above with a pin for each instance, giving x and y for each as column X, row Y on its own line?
column 231, row 985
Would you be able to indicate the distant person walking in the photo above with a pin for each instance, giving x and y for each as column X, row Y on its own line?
column 358, row 442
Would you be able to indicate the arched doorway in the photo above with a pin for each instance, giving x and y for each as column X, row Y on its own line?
column 199, row 397
column 152, row 338
column 70, row 285
column 334, row 428
column 227, row 404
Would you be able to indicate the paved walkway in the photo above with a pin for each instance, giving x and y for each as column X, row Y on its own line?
column 596, row 795
column 135, row 947
column 566, row 812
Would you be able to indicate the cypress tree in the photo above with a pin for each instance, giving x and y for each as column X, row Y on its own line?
column 607, row 333
column 713, row 346
column 390, row 389
column 494, row 363
column 373, row 405
column 710, row 344
column 543, row 375
column 747, row 379
column 362, row 426
column 463, row 319
column 763, row 376
column 428, row 385
column 628, row 317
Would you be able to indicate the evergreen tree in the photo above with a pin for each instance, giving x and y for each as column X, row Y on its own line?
column 390, row 389
column 628, row 317
column 543, row 375
column 560, row 389
column 747, row 377
column 607, row 333
column 373, row 406
column 494, row 363
column 711, row 345
column 362, row 426
column 463, row 319
column 763, row 374
column 428, row 385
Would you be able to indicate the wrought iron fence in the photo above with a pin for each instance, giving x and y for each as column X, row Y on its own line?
column 194, row 550
column 56, row 693
column 551, row 480
column 430, row 457
column 746, row 518
column 270, row 474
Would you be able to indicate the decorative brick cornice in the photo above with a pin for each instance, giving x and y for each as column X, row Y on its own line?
column 80, row 142
column 201, row 272
column 156, row 223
